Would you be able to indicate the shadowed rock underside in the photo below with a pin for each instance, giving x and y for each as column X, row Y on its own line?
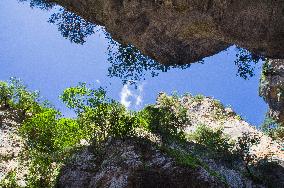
column 186, row 31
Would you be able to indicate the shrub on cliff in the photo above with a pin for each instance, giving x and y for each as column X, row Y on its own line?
column 273, row 129
column 243, row 150
column 168, row 119
column 214, row 140
column 15, row 95
column 49, row 140
column 99, row 116
column 223, row 147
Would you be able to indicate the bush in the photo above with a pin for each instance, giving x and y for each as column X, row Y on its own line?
column 5, row 95
column 48, row 133
column 100, row 116
column 214, row 140
column 244, row 145
column 243, row 149
column 49, row 139
column 182, row 158
column 9, row 181
column 198, row 98
column 273, row 129
column 167, row 119
column 15, row 95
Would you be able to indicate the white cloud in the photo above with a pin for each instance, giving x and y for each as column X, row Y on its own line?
column 128, row 96
column 138, row 100
column 139, row 97
column 140, row 88
column 98, row 81
column 125, row 94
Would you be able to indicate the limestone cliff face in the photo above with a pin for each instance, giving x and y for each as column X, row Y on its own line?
column 272, row 88
column 185, row 31
column 132, row 163
column 11, row 145
column 139, row 162
column 145, row 161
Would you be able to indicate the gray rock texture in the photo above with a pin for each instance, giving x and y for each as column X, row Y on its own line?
column 272, row 88
column 138, row 162
column 131, row 163
column 185, row 31
column 142, row 161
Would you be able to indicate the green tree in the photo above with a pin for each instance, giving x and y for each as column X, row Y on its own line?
column 100, row 116
column 273, row 129
column 243, row 149
column 15, row 95
column 5, row 95
column 168, row 118
column 246, row 61
column 49, row 140
column 214, row 140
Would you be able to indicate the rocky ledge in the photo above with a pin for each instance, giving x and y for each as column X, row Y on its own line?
column 186, row 31
column 132, row 163
column 145, row 162
column 272, row 87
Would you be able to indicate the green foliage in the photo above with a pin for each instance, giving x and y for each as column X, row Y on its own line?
column 219, row 110
column 42, row 4
column 273, row 129
column 80, row 98
column 47, row 133
column 42, row 173
column 246, row 63
column 39, row 131
column 182, row 158
column 130, row 65
column 5, row 94
column 266, row 69
column 100, row 116
column 214, row 140
column 198, row 98
column 168, row 119
column 49, row 141
column 244, row 144
column 68, row 134
column 186, row 159
column 243, row 148
column 15, row 95
column 238, row 117
column 72, row 26
column 218, row 104
column 222, row 146
column 9, row 181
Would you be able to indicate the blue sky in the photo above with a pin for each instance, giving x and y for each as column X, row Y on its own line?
column 34, row 50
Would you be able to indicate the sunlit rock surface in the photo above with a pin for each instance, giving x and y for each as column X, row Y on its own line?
column 137, row 162
column 212, row 113
column 272, row 87
column 142, row 162
column 185, row 31
column 10, row 147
